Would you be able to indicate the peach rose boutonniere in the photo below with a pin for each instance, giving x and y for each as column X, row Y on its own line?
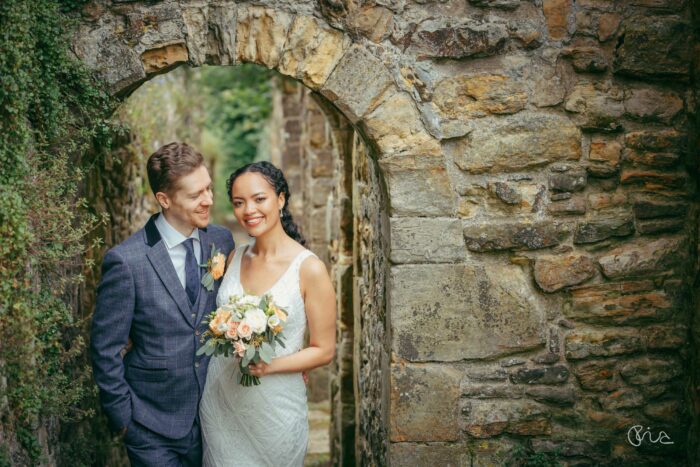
column 215, row 268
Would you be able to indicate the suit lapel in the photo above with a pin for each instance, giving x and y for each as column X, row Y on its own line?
column 163, row 266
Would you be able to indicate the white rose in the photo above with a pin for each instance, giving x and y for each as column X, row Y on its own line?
column 273, row 321
column 222, row 328
column 257, row 320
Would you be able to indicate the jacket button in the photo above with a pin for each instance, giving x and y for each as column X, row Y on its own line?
column 196, row 333
column 196, row 364
column 194, row 315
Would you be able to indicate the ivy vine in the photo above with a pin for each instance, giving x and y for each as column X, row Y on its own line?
column 52, row 112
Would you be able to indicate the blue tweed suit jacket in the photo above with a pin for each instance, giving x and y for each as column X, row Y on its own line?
column 160, row 381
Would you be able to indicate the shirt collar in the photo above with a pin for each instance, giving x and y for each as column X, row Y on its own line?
column 170, row 235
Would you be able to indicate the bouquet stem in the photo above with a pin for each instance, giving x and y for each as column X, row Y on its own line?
column 247, row 379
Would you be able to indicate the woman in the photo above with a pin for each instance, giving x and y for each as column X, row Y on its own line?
column 267, row 424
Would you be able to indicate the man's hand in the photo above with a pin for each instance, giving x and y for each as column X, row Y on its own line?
column 125, row 350
column 305, row 375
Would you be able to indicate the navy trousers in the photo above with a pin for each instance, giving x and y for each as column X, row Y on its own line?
column 149, row 449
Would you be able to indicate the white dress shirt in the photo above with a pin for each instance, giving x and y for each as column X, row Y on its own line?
column 177, row 251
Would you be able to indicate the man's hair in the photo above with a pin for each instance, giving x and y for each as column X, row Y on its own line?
column 169, row 163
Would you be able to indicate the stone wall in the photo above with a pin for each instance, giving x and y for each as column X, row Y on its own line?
column 531, row 282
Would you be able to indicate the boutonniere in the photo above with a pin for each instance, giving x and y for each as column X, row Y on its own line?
column 215, row 268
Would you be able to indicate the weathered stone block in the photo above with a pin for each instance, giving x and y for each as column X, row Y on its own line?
column 650, row 207
column 485, row 419
column 548, row 88
column 164, row 58
column 520, row 236
column 597, row 375
column 448, row 455
column 654, row 180
column 490, row 391
column 598, row 105
column 556, row 13
column 567, row 207
column 605, row 150
column 650, row 104
column 665, row 337
column 358, row 69
column 607, row 201
column 261, row 34
column 586, row 59
column 395, row 127
column 498, row 4
column 222, row 29
column 651, row 370
column 517, row 142
column 553, row 273
column 582, row 344
column 421, row 189
column 545, row 375
column 657, row 46
column 574, row 180
column 655, row 226
column 114, row 62
column 624, row 398
column 565, row 396
column 644, row 257
column 666, row 140
column 608, row 23
column 466, row 97
column 602, row 228
column 652, row 159
column 505, row 192
column 621, row 304
column 663, row 411
column 474, row 38
column 311, row 51
column 570, row 448
column 424, row 240
column 424, row 403
column 485, row 311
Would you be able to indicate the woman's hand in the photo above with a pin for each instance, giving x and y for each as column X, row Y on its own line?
column 259, row 369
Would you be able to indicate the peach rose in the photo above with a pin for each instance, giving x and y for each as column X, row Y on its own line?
column 239, row 348
column 218, row 263
column 232, row 331
column 281, row 314
column 222, row 316
column 244, row 330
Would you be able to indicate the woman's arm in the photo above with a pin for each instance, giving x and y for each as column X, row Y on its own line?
column 319, row 302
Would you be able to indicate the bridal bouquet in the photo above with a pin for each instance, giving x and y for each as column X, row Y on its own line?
column 248, row 327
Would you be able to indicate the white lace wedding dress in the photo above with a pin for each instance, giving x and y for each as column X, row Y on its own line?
column 264, row 425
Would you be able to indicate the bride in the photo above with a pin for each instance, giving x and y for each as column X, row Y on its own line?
column 267, row 424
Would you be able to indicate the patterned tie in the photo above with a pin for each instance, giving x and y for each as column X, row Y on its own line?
column 191, row 271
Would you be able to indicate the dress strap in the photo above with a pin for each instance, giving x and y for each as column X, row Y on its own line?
column 296, row 264
column 237, row 256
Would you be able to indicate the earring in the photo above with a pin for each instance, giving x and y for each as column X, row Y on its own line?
column 281, row 213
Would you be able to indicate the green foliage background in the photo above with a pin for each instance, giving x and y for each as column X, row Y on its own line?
column 51, row 112
column 238, row 104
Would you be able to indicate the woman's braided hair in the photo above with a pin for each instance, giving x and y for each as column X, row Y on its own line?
column 275, row 178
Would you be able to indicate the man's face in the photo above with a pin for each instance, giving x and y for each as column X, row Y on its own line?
column 188, row 205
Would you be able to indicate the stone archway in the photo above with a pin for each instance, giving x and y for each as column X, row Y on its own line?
column 130, row 43
column 539, row 212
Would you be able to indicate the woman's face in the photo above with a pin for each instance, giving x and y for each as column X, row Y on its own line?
column 255, row 203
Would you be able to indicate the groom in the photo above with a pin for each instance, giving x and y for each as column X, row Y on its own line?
column 151, row 293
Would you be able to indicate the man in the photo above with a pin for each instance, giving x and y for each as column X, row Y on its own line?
column 151, row 293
